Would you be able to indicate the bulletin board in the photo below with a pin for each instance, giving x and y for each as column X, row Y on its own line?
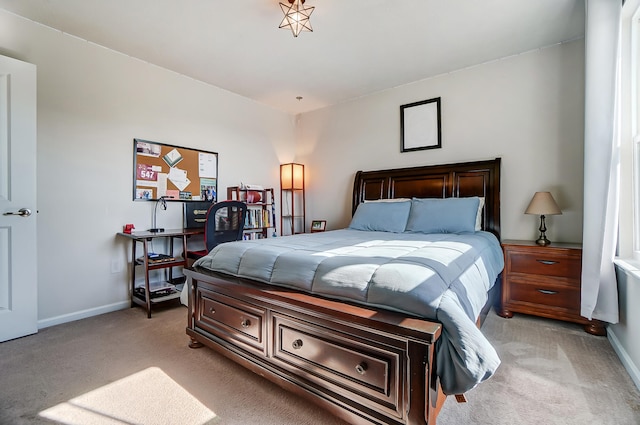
column 174, row 172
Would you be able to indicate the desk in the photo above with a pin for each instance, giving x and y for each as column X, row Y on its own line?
column 166, row 291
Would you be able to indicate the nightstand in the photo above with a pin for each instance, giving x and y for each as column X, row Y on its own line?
column 544, row 281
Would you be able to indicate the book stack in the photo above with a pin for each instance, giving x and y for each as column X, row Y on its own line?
column 155, row 292
column 257, row 218
column 249, row 236
column 157, row 258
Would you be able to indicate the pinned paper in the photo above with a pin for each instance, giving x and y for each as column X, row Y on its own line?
column 179, row 178
column 207, row 165
column 208, row 189
column 162, row 184
column 146, row 172
column 172, row 158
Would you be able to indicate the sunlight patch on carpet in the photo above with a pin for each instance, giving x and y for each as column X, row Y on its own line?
column 148, row 397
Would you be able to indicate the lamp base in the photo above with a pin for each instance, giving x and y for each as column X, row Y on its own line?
column 543, row 241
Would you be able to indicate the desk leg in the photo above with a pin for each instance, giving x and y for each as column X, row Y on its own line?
column 184, row 250
column 133, row 273
column 170, row 254
column 147, row 294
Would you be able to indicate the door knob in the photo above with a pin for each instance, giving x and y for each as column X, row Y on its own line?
column 22, row 212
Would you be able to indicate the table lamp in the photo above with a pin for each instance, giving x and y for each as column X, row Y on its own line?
column 161, row 201
column 543, row 204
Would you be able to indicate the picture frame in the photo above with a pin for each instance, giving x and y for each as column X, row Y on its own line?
column 318, row 226
column 420, row 125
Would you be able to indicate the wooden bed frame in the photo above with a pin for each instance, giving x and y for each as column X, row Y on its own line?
column 364, row 365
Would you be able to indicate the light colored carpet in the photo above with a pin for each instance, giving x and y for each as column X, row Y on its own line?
column 122, row 368
column 552, row 373
column 141, row 398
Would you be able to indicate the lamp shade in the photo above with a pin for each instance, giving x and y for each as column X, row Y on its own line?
column 543, row 203
column 292, row 176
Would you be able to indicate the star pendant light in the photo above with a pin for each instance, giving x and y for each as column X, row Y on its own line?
column 296, row 17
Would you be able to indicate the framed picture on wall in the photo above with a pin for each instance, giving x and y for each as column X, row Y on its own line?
column 318, row 226
column 420, row 126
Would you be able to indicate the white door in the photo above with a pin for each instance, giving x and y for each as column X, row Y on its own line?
column 18, row 265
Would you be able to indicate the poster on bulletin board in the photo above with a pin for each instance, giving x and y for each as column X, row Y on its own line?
column 174, row 172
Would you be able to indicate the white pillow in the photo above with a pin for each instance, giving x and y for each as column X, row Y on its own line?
column 479, row 215
column 388, row 200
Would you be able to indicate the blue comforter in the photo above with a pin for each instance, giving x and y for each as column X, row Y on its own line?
column 443, row 277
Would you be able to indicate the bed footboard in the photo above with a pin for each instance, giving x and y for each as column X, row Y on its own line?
column 366, row 366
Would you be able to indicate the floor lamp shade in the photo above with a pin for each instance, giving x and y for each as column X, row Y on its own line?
column 292, row 176
column 292, row 187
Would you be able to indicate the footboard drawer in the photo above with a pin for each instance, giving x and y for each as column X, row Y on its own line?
column 339, row 362
column 231, row 319
column 366, row 366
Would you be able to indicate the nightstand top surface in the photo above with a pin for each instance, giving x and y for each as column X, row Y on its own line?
column 533, row 244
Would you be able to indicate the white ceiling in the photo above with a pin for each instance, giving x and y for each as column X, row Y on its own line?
column 357, row 47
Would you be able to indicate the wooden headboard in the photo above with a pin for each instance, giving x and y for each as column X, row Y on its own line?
column 480, row 178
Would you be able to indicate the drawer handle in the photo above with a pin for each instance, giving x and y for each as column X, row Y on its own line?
column 297, row 344
column 245, row 323
column 548, row 292
column 212, row 310
column 547, row 262
column 362, row 368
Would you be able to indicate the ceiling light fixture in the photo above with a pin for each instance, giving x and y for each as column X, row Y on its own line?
column 296, row 17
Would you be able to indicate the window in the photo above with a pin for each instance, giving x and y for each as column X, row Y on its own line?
column 629, row 219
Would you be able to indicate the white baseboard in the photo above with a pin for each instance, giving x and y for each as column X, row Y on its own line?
column 626, row 360
column 83, row 314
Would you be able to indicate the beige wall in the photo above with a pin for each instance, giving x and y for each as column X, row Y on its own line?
column 526, row 109
column 92, row 102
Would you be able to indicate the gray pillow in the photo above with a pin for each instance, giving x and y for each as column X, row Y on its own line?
column 381, row 216
column 448, row 215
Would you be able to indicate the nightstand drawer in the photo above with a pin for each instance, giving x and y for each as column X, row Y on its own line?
column 544, row 264
column 545, row 295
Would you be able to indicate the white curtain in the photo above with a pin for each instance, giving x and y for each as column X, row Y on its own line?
column 601, row 159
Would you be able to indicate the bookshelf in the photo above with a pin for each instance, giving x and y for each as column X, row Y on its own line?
column 260, row 210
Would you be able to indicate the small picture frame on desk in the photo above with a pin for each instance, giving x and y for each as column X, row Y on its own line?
column 318, row 226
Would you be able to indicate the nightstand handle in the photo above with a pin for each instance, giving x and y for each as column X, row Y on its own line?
column 548, row 292
column 547, row 262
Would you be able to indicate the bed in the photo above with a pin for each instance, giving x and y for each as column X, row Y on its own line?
column 374, row 322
